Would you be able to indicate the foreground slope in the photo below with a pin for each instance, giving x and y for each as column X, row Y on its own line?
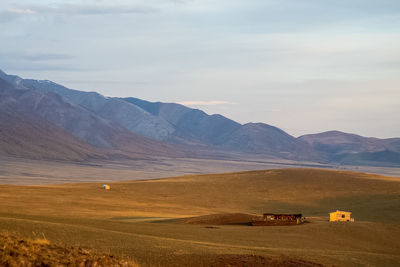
column 15, row 251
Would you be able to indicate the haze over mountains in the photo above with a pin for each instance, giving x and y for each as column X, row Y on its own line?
column 42, row 119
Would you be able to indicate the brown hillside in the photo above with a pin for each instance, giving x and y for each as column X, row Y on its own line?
column 19, row 252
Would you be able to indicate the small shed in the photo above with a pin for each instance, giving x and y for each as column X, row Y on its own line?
column 106, row 187
column 340, row 216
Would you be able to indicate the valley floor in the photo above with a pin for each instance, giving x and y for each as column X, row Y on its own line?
column 30, row 172
column 133, row 218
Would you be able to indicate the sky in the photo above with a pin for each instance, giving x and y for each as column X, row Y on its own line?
column 304, row 66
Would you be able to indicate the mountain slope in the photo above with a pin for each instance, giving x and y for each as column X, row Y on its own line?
column 348, row 148
column 23, row 134
column 133, row 127
column 340, row 142
column 170, row 122
column 121, row 112
column 261, row 138
column 91, row 129
column 379, row 158
column 191, row 124
column 218, row 131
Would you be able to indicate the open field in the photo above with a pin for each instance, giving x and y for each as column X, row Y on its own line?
column 132, row 219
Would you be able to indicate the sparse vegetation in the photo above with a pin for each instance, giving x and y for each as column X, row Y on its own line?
column 132, row 219
column 16, row 252
column 40, row 241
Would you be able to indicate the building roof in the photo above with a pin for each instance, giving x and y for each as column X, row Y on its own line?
column 340, row 211
column 279, row 214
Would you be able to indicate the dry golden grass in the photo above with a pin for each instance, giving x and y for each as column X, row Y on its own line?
column 15, row 252
column 40, row 241
column 120, row 220
column 316, row 191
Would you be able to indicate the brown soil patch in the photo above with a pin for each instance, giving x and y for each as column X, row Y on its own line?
column 258, row 261
column 220, row 219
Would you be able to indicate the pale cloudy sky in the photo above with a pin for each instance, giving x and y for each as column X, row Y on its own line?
column 304, row 66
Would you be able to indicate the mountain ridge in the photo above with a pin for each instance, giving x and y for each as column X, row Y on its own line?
column 217, row 130
column 132, row 125
column 347, row 148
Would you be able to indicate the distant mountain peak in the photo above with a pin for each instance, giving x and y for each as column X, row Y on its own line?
column 45, row 81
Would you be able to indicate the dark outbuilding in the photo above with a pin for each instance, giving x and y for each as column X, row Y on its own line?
column 278, row 219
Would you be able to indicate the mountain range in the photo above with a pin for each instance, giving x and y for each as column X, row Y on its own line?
column 42, row 119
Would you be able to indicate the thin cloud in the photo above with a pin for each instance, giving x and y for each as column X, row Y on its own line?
column 206, row 103
column 24, row 59
column 102, row 82
column 49, row 67
column 46, row 57
column 7, row 16
column 83, row 9
column 21, row 11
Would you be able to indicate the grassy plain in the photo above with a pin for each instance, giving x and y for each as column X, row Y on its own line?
column 130, row 219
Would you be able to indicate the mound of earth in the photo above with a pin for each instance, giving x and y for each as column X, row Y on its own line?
column 220, row 219
column 258, row 261
column 19, row 252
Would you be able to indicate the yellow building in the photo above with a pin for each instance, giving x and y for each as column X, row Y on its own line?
column 340, row 216
column 106, row 187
